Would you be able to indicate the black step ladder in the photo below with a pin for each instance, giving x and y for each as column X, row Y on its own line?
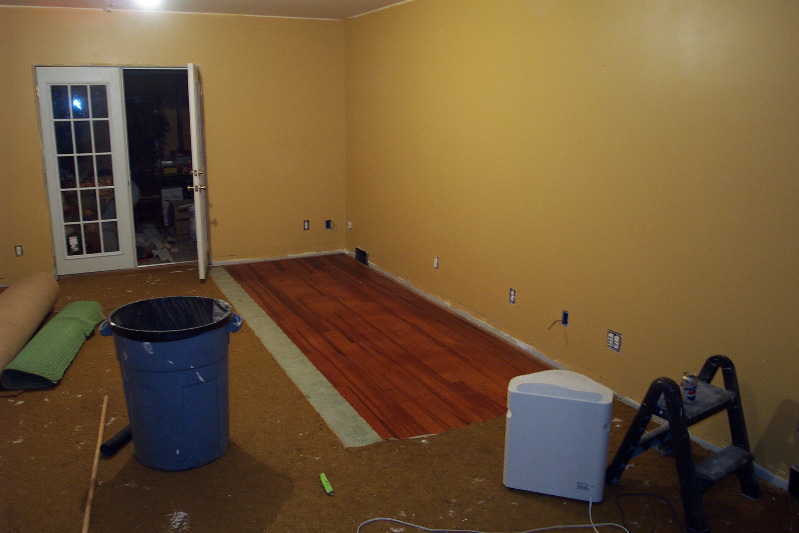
column 664, row 399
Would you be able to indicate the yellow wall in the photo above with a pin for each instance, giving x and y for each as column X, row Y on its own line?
column 274, row 117
column 634, row 163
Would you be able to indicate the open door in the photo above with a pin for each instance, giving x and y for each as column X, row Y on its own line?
column 200, row 178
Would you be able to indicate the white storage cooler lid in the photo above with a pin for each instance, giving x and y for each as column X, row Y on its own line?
column 563, row 384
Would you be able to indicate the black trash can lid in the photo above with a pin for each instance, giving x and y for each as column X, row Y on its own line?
column 169, row 319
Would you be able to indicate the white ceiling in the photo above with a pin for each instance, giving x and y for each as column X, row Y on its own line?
column 315, row 9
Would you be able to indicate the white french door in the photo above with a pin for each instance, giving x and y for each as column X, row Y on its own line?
column 86, row 166
column 84, row 140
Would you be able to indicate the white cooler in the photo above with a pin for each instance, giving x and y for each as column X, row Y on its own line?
column 556, row 435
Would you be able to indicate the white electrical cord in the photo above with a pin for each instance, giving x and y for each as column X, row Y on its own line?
column 537, row 530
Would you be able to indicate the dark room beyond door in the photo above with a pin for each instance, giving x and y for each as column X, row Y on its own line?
column 159, row 149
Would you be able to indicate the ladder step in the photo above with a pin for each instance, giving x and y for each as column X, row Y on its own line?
column 709, row 401
column 721, row 464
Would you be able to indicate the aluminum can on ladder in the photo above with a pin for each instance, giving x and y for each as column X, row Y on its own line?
column 689, row 382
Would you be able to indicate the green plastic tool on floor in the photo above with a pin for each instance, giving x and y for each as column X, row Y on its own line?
column 326, row 484
column 45, row 358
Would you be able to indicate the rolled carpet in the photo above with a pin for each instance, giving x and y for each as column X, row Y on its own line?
column 43, row 361
column 23, row 307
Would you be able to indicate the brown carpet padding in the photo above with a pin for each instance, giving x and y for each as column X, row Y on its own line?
column 268, row 480
column 23, row 307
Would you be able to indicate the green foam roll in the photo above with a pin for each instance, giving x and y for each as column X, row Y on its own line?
column 45, row 358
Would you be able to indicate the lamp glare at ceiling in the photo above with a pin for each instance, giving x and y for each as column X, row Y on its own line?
column 148, row 4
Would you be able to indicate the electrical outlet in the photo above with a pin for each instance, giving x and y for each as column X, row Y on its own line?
column 349, row 225
column 436, row 263
column 564, row 320
column 306, row 225
column 18, row 250
column 512, row 296
column 614, row 341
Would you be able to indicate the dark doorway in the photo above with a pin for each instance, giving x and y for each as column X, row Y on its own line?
column 159, row 150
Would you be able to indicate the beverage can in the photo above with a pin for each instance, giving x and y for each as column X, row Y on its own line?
column 689, row 381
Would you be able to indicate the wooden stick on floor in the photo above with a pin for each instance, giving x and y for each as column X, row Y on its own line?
column 88, row 512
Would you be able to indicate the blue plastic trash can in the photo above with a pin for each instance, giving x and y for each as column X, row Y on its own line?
column 173, row 354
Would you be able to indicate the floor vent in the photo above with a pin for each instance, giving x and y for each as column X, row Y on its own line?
column 362, row 256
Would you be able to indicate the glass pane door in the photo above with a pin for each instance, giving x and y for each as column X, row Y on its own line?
column 86, row 175
column 86, row 167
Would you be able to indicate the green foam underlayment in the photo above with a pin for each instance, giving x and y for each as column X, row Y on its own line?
column 45, row 358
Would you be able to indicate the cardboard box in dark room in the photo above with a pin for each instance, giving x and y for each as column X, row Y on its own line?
column 182, row 213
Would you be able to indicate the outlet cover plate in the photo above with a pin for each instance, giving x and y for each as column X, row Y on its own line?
column 614, row 340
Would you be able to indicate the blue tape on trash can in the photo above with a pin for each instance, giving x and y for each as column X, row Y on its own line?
column 173, row 354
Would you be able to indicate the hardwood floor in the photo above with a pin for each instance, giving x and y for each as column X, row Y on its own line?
column 406, row 365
